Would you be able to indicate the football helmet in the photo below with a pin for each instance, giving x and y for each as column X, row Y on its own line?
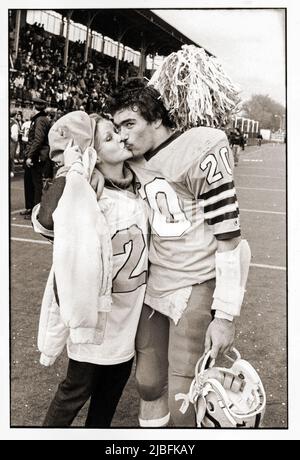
column 226, row 397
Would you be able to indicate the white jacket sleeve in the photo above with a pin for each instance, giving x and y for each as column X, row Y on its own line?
column 14, row 132
column 52, row 334
column 82, row 258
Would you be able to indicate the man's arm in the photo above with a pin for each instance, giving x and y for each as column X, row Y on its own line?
column 49, row 202
column 232, row 266
column 228, row 245
column 52, row 195
column 210, row 179
column 224, row 246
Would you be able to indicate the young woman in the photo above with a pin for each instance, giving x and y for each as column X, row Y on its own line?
column 101, row 369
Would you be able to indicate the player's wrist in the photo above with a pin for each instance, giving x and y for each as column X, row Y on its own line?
column 222, row 315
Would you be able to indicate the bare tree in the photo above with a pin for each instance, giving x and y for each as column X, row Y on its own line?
column 268, row 112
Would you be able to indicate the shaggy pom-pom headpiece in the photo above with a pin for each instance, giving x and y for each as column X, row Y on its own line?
column 195, row 89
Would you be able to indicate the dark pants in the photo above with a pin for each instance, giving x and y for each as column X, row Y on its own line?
column 33, row 184
column 103, row 384
column 12, row 154
column 23, row 146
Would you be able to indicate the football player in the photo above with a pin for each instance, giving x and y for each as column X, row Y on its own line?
column 198, row 262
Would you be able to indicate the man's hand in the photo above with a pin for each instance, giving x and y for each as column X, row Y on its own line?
column 219, row 337
column 29, row 162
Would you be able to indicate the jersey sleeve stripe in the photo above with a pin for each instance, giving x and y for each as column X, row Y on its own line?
column 221, row 211
column 221, row 196
column 220, row 218
column 220, row 204
column 228, row 235
column 217, row 190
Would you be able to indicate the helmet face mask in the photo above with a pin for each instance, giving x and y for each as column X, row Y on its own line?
column 226, row 408
column 227, row 397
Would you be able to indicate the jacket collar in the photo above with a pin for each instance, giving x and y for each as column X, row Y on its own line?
column 42, row 113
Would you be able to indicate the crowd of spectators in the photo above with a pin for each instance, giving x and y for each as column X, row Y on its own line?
column 39, row 71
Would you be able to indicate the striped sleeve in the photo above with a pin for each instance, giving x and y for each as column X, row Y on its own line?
column 221, row 211
column 211, row 182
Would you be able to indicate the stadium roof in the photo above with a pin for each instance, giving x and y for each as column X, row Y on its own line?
column 133, row 26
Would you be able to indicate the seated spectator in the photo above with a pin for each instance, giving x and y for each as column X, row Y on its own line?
column 39, row 72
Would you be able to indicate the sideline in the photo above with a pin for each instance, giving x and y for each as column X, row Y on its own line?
column 272, row 267
column 21, row 225
column 16, row 212
column 281, row 213
column 30, row 241
column 257, row 175
column 262, row 189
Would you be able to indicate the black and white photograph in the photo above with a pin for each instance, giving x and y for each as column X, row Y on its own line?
column 149, row 231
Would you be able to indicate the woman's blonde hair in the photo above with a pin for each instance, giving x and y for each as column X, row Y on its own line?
column 98, row 118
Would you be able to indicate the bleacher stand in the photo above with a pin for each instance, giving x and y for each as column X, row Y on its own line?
column 39, row 73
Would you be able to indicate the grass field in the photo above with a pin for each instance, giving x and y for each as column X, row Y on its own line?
column 261, row 330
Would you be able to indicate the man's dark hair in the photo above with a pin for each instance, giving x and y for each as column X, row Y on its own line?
column 135, row 94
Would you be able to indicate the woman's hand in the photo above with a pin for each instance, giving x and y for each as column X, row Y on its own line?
column 72, row 153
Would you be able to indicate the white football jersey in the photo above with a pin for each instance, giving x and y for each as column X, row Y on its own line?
column 188, row 184
column 127, row 219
